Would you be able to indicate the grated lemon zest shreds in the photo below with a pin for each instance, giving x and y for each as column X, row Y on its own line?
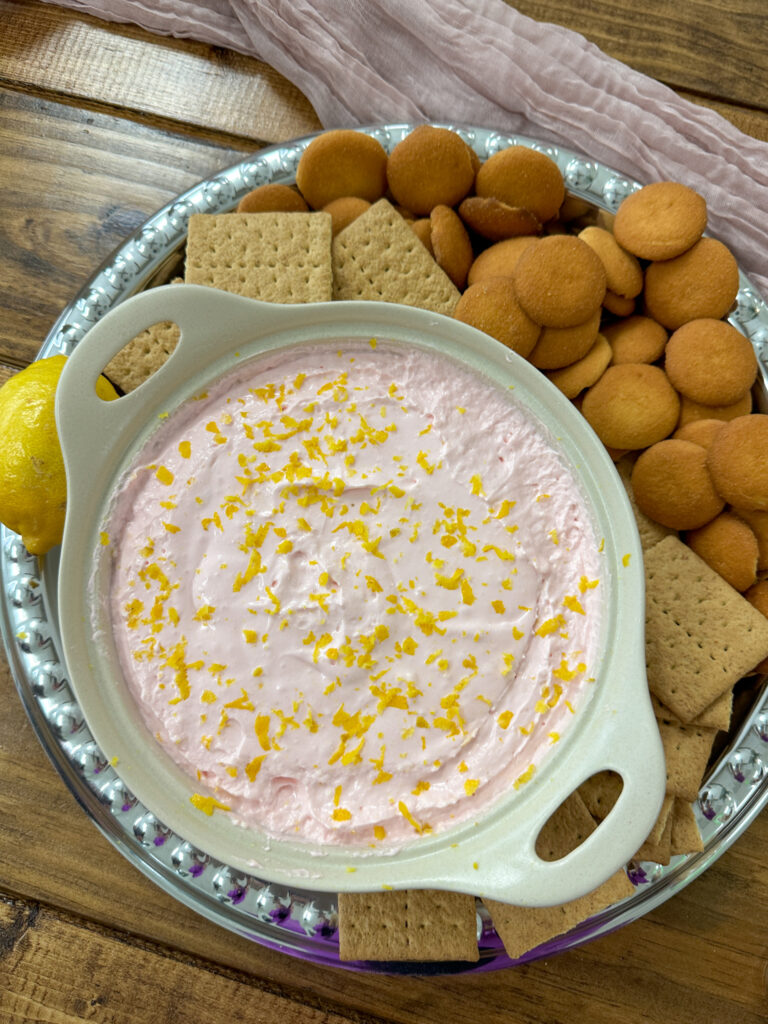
column 526, row 776
column 420, row 828
column 207, row 804
column 307, row 456
column 586, row 584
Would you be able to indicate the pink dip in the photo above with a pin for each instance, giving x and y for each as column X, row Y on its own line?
column 354, row 593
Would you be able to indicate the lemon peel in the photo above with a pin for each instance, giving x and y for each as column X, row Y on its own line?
column 33, row 487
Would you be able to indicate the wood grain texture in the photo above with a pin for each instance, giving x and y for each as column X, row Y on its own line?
column 122, row 981
column 711, row 47
column 53, row 49
column 751, row 122
column 75, row 185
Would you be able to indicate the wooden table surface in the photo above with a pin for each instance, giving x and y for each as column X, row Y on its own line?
column 99, row 126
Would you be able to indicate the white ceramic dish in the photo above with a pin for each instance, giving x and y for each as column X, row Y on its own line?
column 494, row 857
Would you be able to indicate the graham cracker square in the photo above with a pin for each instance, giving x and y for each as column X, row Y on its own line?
column 686, row 837
column 566, row 829
column 407, row 924
column 600, row 793
column 716, row 716
column 275, row 257
column 379, row 257
column 660, row 850
column 702, row 636
column 144, row 354
column 686, row 752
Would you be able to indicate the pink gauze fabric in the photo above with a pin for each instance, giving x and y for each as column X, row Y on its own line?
column 361, row 62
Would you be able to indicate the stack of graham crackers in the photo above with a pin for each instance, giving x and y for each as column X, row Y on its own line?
column 702, row 635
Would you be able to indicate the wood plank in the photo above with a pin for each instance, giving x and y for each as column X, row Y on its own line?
column 715, row 48
column 43, row 47
column 703, row 954
column 96, row 179
column 751, row 122
column 59, row 970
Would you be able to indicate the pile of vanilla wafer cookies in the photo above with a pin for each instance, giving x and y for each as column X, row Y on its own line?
column 626, row 315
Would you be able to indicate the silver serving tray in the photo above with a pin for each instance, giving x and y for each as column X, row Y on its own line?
column 301, row 922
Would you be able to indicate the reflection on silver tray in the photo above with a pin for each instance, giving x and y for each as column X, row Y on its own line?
column 299, row 921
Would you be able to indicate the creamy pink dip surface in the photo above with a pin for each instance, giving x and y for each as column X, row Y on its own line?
column 355, row 593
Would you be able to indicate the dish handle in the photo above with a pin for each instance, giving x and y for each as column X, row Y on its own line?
column 621, row 736
column 86, row 422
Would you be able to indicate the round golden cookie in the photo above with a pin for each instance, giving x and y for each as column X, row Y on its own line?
column 728, row 545
column 638, row 339
column 738, row 462
column 422, row 228
column 272, row 199
column 499, row 259
column 757, row 595
column 758, row 521
column 495, row 220
column 672, row 485
column 710, row 362
column 605, row 219
column 691, row 411
column 632, row 406
column 572, row 208
column 573, row 379
column 560, row 282
column 342, row 162
column 623, row 274
column 660, row 221
column 701, row 432
column 703, row 282
column 430, row 167
column 344, row 210
column 560, row 346
column 451, row 246
column 524, row 178
column 492, row 306
column 618, row 305
column 477, row 163
column 617, row 454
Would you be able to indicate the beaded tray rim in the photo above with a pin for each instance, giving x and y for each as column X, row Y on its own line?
column 299, row 921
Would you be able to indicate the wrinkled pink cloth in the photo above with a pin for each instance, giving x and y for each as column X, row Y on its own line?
column 482, row 62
